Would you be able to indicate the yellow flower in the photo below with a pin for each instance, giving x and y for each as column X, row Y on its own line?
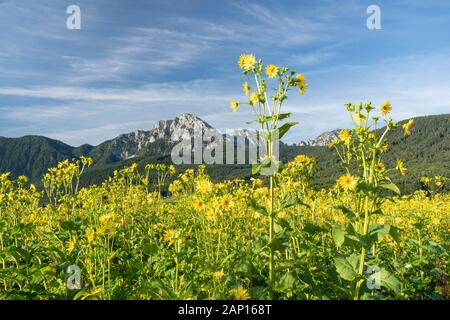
column 90, row 233
column 253, row 98
column 386, row 107
column 333, row 143
column 348, row 182
column 171, row 235
column 359, row 117
column 384, row 148
column 226, row 202
column 105, row 218
column 407, row 127
column 22, row 179
column 301, row 83
column 272, row 70
column 345, row 136
column 246, row 88
column 204, row 186
column 71, row 245
column 218, row 275
column 379, row 167
column 246, row 61
column 234, row 105
column 241, row 294
column 401, row 167
column 198, row 204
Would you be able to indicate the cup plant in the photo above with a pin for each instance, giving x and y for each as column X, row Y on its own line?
column 368, row 184
column 267, row 110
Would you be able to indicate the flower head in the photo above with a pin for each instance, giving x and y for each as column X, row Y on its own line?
column 345, row 136
column 218, row 275
column 246, row 88
column 234, row 105
column 71, row 245
column 301, row 83
column 386, row 107
column 90, row 234
column 226, row 202
column 348, row 182
column 407, row 127
column 246, row 61
column 241, row 294
column 272, row 70
column 253, row 98
column 401, row 167
column 198, row 204
column 379, row 167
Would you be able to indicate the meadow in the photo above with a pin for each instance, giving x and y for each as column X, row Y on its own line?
column 209, row 240
column 270, row 237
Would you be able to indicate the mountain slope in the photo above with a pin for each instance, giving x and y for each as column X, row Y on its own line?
column 31, row 155
column 425, row 152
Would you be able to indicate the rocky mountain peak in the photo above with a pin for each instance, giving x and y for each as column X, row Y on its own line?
column 322, row 140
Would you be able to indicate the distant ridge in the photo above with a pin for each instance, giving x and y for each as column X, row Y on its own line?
column 425, row 152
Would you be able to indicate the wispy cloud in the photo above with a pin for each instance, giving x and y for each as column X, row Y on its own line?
column 120, row 74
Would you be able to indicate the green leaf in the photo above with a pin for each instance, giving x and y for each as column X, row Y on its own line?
column 150, row 249
column 256, row 167
column 393, row 232
column 338, row 233
column 282, row 116
column 390, row 186
column 292, row 201
column 286, row 282
column 258, row 208
column 387, row 280
column 283, row 224
column 347, row 266
column 379, row 231
column 279, row 243
column 347, row 212
column 285, row 128
column 312, row 228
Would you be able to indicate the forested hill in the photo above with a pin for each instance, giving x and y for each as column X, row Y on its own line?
column 425, row 152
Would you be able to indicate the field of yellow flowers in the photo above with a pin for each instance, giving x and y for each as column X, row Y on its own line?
column 208, row 240
column 269, row 238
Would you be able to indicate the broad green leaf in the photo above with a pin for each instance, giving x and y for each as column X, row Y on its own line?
column 292, row 201
column 348, row 213
column 256, row 167
column 390, row 186
column 285, row 128
column 282, row 116
column 279, row 243
column 312, row 228
column 386, row 280
column 150, row 249
column 338, row 233
column 346, row 266
column 379, row 231
column 258, row 208
column 286, row 282
column 393, row 232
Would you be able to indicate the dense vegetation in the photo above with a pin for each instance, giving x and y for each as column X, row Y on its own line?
column 209, row 240
column 149, row 232
column 426, row 153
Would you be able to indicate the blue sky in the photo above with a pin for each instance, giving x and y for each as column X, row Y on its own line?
column 136, row 62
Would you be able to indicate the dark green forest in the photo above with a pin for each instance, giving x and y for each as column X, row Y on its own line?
column 425, row 153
